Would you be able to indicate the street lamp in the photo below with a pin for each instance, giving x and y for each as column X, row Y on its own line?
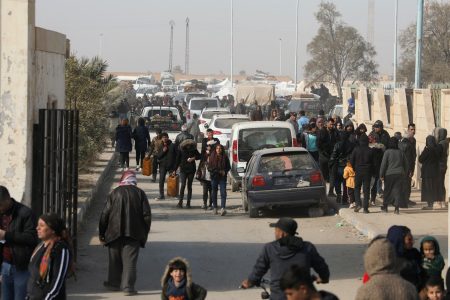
column 395, row 43
column 296, row 43
column 280, row 54
column 419, row 34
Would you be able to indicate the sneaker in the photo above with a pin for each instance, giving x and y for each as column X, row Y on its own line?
column 160, row 198
column 215, row 211
column 126, row 169
column 352, row 205
column 110, row 287
column 372, row 203
column 223, row 212
column 130, row 293
column 138, row 169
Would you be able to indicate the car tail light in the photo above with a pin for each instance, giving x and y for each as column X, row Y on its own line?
column 315, row 177
column 258, row 180
column 216, row 132
column 294, row 142
column 235, row 151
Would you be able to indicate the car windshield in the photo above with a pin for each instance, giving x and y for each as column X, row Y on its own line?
column 280, row 162
column 162, row 112
column 200, row 104
column 227, row 123
column 253, row 139
column 190, row 96
column 144, row 81
column 210, row 114
column 308, row 106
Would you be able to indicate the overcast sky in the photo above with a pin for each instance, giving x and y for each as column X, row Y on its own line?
column 136, row 32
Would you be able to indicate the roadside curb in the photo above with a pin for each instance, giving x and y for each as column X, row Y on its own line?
column 358, row 222
column 83, row 208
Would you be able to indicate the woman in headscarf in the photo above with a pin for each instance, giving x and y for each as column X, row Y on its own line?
column 409, row 258
column 393, row 170
column 429, row 158
column 51, row 260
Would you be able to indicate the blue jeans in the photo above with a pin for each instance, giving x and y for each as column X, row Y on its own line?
column 216, row 184
column 14, row 282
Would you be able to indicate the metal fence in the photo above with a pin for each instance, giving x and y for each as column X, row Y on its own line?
column 55, row 166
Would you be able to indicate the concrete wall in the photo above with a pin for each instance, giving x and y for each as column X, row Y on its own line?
column 31, row 78
column 445, row 122
column 16, row 95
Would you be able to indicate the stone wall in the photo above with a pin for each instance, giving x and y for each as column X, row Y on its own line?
column 32, row 62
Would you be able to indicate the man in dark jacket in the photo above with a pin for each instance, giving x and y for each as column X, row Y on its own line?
column 123, row 228
column 209, row 137
column 362, row 162
column 282, row 253
column 379, row 139
column 405, row 145
column 326, row 139
column 18, row 238
column 182, row 136
column 166, row 158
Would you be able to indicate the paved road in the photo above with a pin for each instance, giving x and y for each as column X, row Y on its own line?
column 222, row 250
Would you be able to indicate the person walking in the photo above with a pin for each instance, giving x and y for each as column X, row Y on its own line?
column 219, row 166
column 18, row 233
column 393, row 171
column 52, row 260
column 123, row 109
column 406, row 146
column 326, row 140
column 429, row 158
column 281, row 254
column 155, row 147
column 293, row 120
column 123, row 143
column 303, row 122
column 141, row 142
column 182, row 136
column 349, row 177
column 166, row 159
column 309, row 140
column 193, row 127
column 204, row 176
column 113, row 122
column 186, row 158
column 362, row 161
column 381, row 264
column 124, row 226
column 209, row 137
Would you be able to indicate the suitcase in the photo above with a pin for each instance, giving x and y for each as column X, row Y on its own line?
column 173, row 186
column 147, row 166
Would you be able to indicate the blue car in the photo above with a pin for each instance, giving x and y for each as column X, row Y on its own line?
column 283, row 177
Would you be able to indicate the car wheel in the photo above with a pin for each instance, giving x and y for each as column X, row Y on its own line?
column 315, row 212
column 252, row 211
column 234, row 185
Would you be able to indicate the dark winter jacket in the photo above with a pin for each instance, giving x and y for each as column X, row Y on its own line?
column 188, row 150
column 325, row 142
column 409, row 150
column 362, row 157
column 141, row 138
column 167, row 158
column 126, row 214
column 193, row 291
column 21, row 235
column 342, row 151
column 380, row 262
column 393, row 163
column 205, row 143
column 279, row 255
column 123, row 138
column 443, row 148
column 381, row 138
column 429, row 158
column 53, row 286
column 217, row 167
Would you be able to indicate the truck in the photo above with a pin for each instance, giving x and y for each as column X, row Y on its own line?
column 167, row 80
column 157, row 116
column 260, row 94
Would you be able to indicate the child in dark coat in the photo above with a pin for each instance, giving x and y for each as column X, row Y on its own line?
column 432, row 260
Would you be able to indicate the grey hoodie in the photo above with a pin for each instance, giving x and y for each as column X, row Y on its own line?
column 380, row 262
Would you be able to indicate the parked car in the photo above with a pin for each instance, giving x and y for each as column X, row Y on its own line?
column 222, row 124
column 248, row 137
column 189, row 96
column 158, row 117
column 197, row 105
column 283, row 177
column 208, row 114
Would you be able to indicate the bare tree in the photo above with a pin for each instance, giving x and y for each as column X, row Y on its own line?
column 436, row 46
column 338, row 52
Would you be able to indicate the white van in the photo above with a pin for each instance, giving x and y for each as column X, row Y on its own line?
column 248, row 137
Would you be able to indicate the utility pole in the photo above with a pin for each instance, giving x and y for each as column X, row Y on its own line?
column 419, row 34
column 280, row 54
column 371, row 22
column 171, row 23
column 395, row 43
column 231, row 76
column 100, row 45
column 296, row 44
column 186, row 57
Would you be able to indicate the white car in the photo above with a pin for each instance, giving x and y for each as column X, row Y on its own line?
column 197, row 105
column 208, row 114
column 149, row 91
column 222, row 125
column 157, row 117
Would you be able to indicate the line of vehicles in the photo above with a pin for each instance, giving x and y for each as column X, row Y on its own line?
column 267, row 165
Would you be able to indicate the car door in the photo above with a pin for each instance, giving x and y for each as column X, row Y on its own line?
column 247, row 175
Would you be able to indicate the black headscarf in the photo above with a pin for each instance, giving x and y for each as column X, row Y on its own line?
column 430, row 141
column 393, row 143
